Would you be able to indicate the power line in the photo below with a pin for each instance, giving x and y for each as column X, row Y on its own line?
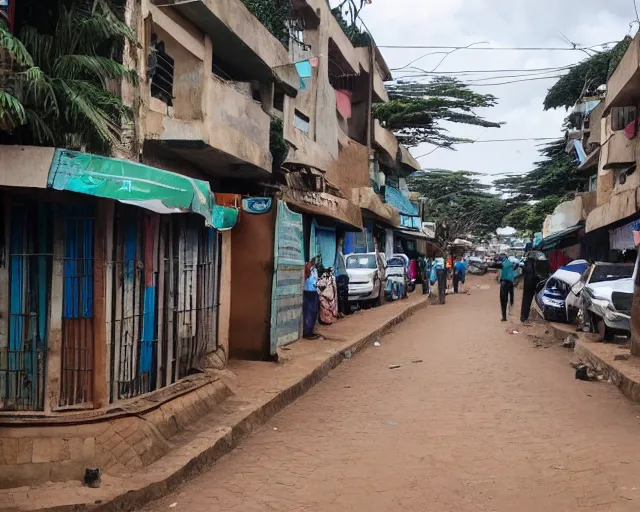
column 473, row 71
column 536, row 139
column 512, row 48
column 497, row 77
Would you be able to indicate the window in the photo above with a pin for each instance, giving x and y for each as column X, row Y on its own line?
column 278, row 101
column 301, row 122
column 161, row 69
column 593, row 183
column 621, row 117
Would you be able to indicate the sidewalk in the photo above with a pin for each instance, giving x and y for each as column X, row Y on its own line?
column 613, row 361
column 259, row 389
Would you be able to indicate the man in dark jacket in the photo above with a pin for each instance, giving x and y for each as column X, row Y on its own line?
column 530, row 280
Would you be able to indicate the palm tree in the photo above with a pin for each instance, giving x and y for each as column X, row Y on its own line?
column 59, row 89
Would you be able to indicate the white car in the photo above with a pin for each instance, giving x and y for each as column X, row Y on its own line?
column 603, row 298
column 367, row 276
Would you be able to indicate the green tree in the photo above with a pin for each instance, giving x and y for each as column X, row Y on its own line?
column 56, row 87
column 584, row 78
column 415, row 110
column 459, row 203
column 535, row 195
column 275, row 15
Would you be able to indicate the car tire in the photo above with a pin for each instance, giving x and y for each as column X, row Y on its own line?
column 378, row 302
column 602, row 330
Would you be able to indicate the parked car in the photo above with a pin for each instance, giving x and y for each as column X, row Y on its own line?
column 367, row 277
column 477, row 266
column 551, row 295
column 397, row 278
column 603, row 299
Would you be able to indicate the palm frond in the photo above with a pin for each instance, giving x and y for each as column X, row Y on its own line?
column 39, row 128
column 86, row 108
column 15, row 48
column 12, row 113
column 72, row 67
column 40, row 46
column 39, row 93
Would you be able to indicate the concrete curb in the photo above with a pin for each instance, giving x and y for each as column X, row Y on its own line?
column 206, row 450
column 623, row 374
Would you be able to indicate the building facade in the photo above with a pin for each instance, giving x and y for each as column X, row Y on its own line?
column 125, row 281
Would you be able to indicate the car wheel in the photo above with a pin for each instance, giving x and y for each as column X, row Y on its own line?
column 603, row 331
column 378, row 302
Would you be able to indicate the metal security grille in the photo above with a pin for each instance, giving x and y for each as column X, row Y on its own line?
column 195, row 292
column 23, row 358
column 77, row 306
column 165, row 275
column 134, row 280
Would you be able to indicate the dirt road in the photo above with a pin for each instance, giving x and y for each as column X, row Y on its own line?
column 486, row 421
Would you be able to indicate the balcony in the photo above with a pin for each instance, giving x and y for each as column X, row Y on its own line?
column 238, row 37
column 622, row 203
column 623, row 88
column 386, row 143
column 408, row 164
column 232, row 135
column 618, row 151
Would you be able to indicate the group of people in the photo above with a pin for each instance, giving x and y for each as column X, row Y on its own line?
column 436, row 271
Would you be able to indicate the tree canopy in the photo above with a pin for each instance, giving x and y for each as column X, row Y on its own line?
column 55, row 88
column 535, row 194
column 458, row 202
column 416, row 110
column 584, row 78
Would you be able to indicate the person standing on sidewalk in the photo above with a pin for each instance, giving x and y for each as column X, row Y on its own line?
column 310, row 301
column 439, row 275
column 530, row 281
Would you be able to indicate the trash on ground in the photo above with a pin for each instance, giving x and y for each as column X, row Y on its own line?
column 513, row 331
column 376, row 344
column 415, row 361
column 394, row 366
column 570, row 341
column 392, row 423
column 347, row 354
column 173, row 505
column 275, row 428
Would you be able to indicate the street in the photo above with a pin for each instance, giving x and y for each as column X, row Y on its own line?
column 476, row 418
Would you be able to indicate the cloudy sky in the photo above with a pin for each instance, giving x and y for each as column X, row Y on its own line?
column 501, row 23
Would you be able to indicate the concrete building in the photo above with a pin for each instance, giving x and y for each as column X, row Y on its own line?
column 116, row 296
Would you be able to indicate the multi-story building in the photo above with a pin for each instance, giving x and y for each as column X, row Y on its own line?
column 123, row 279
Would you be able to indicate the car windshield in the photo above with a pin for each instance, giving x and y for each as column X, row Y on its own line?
column 361, row 261
column 602, row 273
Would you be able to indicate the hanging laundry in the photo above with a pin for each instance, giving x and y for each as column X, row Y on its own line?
column 631, row 130
column 305, row 72
column 343, row 103
column 327, row 291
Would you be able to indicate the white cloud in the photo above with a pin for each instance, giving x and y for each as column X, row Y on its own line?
column 503, row 23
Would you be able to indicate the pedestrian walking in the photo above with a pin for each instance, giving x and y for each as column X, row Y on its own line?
column 459, row 271
column 507, row 276
column 530, row 280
